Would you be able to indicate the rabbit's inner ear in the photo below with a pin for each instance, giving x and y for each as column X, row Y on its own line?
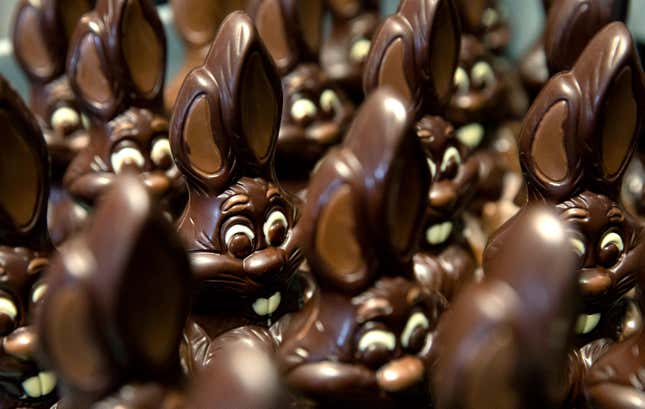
column 392, row 72
column 89, row 74
column 141, row 48
column 69, row 12
column 336, row 241
column 259, row 105
column 20, row 181
column 199, row 143
column 31, row 45
column 271, row 27
column 619, row 123
column 443, row 50
column 403, row 200
column 548, row 149
column 71, row 338
column 310, row 19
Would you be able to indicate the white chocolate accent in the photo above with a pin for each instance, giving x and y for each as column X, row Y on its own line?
column 160, row 150
column 360, row 50
column 377, row 337
column 38, row 292
column 490, row 17
column 451, row 153
column 275, row 217
column 416, row 320
column 587, row 323
column 329, row 101
column 612, row 238
column 578, row 246
column 471, row 135
column 274, row 303
column 42, row 384
column 124, row 155
column 238, row 229
column 438, row 233
column 303, row 108
column 461, row 80
column 433, row 168
column 31, row 386
column 267, row 306
column 64, row 116
column 482, row 74
column 7, row 307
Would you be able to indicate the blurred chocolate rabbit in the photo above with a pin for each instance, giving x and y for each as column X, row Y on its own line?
column 486, row 20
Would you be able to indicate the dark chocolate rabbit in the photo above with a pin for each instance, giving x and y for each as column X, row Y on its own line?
column 24, row 252
column 41, row 34
column 238, row 225
column 364, row 338
column 415, row 51
column 315, row 111
column 485, row 20
column 576, row 143
column 118, row 83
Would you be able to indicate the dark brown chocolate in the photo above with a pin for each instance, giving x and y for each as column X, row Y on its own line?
column 485, row 19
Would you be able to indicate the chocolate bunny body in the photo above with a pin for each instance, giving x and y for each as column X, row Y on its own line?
column 576, row 143
column 364, row 336
column 238, row 224
column 24, row 252
column 315, row 110
column 119, row 86
column 416, row 51
column 41, row 36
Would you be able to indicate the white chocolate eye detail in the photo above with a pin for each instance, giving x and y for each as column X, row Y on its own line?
column 483, row 75
column 461, row 81
column 579, row 247
column 377, row 337
column 85, row 121
column 160, row 151
column 64, row 118
column 8, row 308
column 238, row 229
column 274, row 217
column 360, row 49
column 417, row 320
column 612, row 238
column 126, row 155
column 490, row 17
column 451, row 153
column 329, row 101
column 38, row 292
column 303, row 108
column 587, row 323
column 433, row 167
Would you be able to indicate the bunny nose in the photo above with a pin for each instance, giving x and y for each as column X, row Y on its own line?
column 594, row 282
column 443, row 195
column 265, row 262
column 21, row 343
column 401, row 374
column 156, row 183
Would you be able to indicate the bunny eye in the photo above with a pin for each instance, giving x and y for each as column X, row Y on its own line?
column 433, row 168
column 451, row 162
column 161, row 154
column 275, row 228
column 462, row 83
column 490, row 17
column 8, row 315
column 38, row 292
column 360, row 49
column 65, row 120
column 303, row 109
column 611, row 248
column 127, row 155
column 329, row 101
column 239, row 240
column 579, row 247
column 415, row 331
column 483, row 75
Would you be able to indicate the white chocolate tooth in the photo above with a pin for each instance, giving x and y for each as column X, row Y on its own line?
column 446, row 229
column 47, row 382
column 274, row 302
column 32, row 387
column 261, row 306
column 433, row 234
column 587, row 323
column 471, row 135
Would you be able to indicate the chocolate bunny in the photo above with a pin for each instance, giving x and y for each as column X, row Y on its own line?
column 415, row 51
column 504, row 341
column 24, row 251
column 117, row 300
column 485, row 19
column 364, row 337
column 315, row 111
column 576, row 143
column 345, row 49
column 119, row 85
column 41, row 34
column 238, row 224
column 196, row 21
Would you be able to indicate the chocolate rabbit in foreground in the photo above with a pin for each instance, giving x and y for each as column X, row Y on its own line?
column 25, row 248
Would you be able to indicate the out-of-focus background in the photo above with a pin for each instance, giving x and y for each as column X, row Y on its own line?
column 526, row 20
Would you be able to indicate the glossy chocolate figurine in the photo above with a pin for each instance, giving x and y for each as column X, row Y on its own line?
column 238, row 225
column 576, row 143
column 416, row 51
column 315, row 112
column 119, row 85
column 504, row 341
column 196, row 21
column 41, row 34
column 364, row 338
column 117, row 300
column 345, row 49
column 24, row 252
column 485, row 20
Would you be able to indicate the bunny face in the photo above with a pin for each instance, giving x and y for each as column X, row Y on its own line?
column 485, row 20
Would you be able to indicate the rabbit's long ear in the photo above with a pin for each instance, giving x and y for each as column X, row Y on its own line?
column 41, row 34
column 228, row 111
column 119, row 297
column 612, row 84
column 570, row 26
column 291, row 30
column 24, row 174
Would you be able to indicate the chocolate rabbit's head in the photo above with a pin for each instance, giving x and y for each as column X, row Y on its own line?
column 315, row 111
column 238, row 223
column 41, row 35
column 24, row 251
column 485, row 20
column 116, row 69
column 365, row 337
column 576, row 143
column 116, row 304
